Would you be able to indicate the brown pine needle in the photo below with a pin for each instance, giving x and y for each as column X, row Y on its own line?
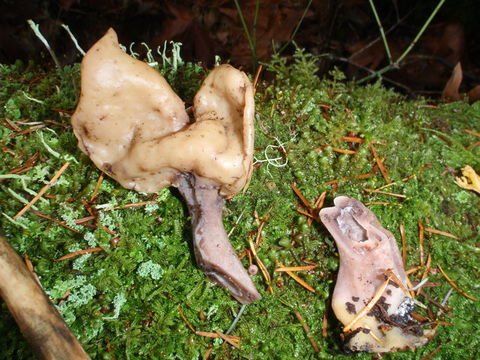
column 409, row 284
column 43, row 190
column 325, row 325
column 455, row 286
column 367, row 307
column 97, row 187
column 137, row 204
column 421, row 238
column 207, row 353
column 471, row 132
column 232, row 340
column 297, row 279
column 385, row 186
column 405, row 179
column 262, row 267
column 397, row 281
column 380, row 164
column 385, row 193
column 296, row 268
column 321, row 199
column 180, row 312
column 361, row 176
column 257, row 76
column 438, row 232
column 307, row 331
column 84, row 220
column 300, row 195
column 78, row 253
column 404, row 246
column 433, row 353
column 378, row 203
column 343, row 151
column 412, row 270
column 303, row 212
column 353, row 139
column 426, row 271
column 61, row 223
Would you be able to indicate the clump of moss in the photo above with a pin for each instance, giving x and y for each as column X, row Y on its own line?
column 127, row 301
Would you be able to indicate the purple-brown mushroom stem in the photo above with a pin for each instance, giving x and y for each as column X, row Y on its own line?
column 134, row 127
column 213, row 252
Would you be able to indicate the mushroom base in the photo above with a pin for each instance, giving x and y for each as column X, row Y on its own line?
column 213, row 251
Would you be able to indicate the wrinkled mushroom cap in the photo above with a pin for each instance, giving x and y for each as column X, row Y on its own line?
column 135, row 128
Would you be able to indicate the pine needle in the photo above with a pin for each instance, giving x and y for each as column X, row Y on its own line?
column 368, row 307
column 455, row 286
column 43, row 190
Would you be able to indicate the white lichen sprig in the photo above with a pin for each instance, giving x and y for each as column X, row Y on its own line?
column 36, row 30
column 278, row 161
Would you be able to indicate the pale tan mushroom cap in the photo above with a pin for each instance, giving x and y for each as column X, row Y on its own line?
column 135, row 128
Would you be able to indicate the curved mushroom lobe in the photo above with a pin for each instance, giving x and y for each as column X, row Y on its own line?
column 367, row 252
column 135, row 128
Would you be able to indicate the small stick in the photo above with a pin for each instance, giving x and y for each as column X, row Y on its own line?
column 438, row 232
column 307, row 331
column 35, row 315
column 455, row 286
column 42, row 191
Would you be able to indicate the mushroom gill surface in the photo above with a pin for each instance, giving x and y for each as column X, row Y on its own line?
column 135, row 128
column 367, row 251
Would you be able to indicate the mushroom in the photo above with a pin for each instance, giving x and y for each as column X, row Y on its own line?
column 37, row 318
column 135, row 128
column 368, row 253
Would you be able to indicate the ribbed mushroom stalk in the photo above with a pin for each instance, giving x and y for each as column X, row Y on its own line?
column 369, row 255
column 135, row 128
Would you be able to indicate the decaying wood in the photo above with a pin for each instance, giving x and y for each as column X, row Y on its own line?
column 39, row 321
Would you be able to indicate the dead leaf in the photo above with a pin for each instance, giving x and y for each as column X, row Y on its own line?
column 452, row 86
column 474, row 94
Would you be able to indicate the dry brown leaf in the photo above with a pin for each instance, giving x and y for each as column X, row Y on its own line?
column 450, row 91
column 474, row 94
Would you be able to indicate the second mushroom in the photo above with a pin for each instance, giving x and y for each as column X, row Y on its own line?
column 135, row 128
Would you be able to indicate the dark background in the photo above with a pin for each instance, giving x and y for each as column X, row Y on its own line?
column 341, row 29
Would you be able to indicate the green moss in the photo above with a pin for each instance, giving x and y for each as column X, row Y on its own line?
column 125, row 301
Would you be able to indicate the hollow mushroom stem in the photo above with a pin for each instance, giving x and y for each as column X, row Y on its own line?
column 38, row 320
column 213, row 251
